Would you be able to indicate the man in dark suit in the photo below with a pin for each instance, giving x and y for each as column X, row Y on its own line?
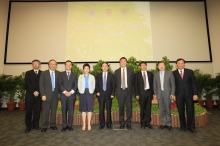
column 186, row 91
column 32, row 99
column 164, row 91
column 105, row 85
column 124, row 80
column 67, row 81
column 49, row 92
column 144, row 93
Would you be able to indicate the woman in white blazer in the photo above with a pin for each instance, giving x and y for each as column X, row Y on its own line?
column 86, row 87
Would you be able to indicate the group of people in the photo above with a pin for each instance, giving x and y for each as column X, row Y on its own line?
column 47, row 86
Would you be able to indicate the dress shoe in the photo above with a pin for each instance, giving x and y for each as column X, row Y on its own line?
column 70, row 128
column 142, row 126
column 84, row 127
column 182, row 129
column 101, row 127
column 27, row 130
column 54, row 128
column 149, row 126
column 192, row 130
column 128, row 127
column 89, row 127
column 122, row 126
column 109, row 127
column 43, row 129
column 170, row 128
column 162, row 127
column 36, row 128
column 63, row 129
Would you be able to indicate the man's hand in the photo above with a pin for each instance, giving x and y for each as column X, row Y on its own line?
column 44, row 98
column 195, row 97
column 68, row 94
column 36, row 93
column 112, row 96
column 98, row 94
column 137, row 97
column 172, row 97
column 155, row 97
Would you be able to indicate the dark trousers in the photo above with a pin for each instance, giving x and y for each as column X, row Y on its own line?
column 145, row 102
column 124, row 99
column 47, row 106
column 31, row 103
column 181, row 100
column 105, row 100
column 67, row 105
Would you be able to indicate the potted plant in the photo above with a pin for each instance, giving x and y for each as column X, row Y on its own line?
column 217, row 81
column 21, row 91
column 209, row 91
column 10, row 88
column 201, row 80
column 2, row 87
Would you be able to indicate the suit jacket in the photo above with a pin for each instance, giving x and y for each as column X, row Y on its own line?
column 46, row 86
column 81, row 84
column 130, row 81
column 168, row 84
column 32, row 82
column 110, row 84
column 67, row 85
column 187, row 84
column 139, row 83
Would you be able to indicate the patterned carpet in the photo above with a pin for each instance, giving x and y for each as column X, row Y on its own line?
column 12, row 133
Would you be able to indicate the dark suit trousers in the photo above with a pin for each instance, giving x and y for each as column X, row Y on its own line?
column 31, row 103
column 181, row 100
column 105, row 100
column 67, row 104
column 47, row 106
column 145, row 102
column 125, row 99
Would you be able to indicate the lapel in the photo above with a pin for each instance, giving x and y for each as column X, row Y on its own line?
column 48, row 76
column 164, row 77
column 128, row 75
column 101, row 76
column 119, row 76
column 178, row 75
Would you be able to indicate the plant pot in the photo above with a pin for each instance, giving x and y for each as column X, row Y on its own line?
column 201, row 102
column 209, row 103
column 218, row 103
column 1, row 105
column 11, row 106
column 21, row 106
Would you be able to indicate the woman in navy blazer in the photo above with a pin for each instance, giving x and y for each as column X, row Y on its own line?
column 86, row 86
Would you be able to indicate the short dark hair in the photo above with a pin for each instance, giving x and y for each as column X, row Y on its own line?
column 68, row 61
column 52, row 60
column 160, row 62
column 104, row 63
column 123, row 58
column 86, row 64
column 36, row 60
column 180, row 59
column 142, row 62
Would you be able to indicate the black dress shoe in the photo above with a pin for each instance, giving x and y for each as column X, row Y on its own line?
column 54, row 128
column 149, row 126
column 43, row 129
column 63, row 129
column 27, row 130
column 122, row 126
column 162, row 127
column 170, row 128
column 70, row 128
column 182, row 129
column 142, row 126
column 101, row 127
column 129, row 127
column 192, row 130
column 36, row 128
column 109, row 127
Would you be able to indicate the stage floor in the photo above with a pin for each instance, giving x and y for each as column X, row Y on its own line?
column 12, row 133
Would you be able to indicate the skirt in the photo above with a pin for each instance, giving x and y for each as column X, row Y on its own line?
column 86, row 101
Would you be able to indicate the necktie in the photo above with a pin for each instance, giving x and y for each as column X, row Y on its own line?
column 144, row 78
column 123, row 79
column 52, row 81
column 68, row 75
column 181, row 74
column 161, row 80
column 104, row 82
column 36, row 73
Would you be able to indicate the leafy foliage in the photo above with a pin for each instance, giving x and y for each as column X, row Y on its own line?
column 97, row 68
column 76, row 69
column 166, row 61
column 133, row 64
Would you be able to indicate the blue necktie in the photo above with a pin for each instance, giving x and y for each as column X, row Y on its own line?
column 52, row 81
column 104, row 82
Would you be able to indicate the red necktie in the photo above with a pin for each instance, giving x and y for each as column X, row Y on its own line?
column 181, row 74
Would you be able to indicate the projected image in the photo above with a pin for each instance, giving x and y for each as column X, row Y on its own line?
column 108, row 31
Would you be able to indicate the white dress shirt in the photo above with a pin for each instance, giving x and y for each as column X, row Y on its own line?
column 147, row 82
column 182, row 71
column 125, row 70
